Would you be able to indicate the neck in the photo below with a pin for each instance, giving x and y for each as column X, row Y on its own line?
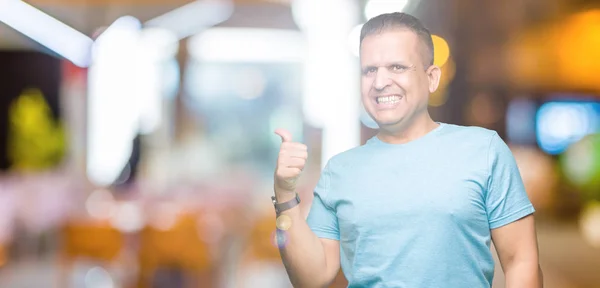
column 407, row 132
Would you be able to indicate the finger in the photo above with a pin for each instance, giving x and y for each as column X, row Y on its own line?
column 291, row 172
column 293, row 146
column 294, row 163
column 294, row 153
column 285, row 135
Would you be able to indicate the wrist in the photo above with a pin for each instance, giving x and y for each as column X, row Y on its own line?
column 285, row 197
column 282, row 204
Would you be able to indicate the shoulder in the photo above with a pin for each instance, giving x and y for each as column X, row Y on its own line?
column 485, row 142
column 468, row 133
column 470, row 144
column 471, row 138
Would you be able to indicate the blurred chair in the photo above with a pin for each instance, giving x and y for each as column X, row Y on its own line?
column 91, row 240
column 261, row 243
column 260, row 264
column 178, row 247
column 261, row 247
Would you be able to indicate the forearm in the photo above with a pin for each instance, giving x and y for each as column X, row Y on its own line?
column 524, row 275
column 302, row 253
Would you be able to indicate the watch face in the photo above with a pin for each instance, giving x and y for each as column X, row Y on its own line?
column 283, row 222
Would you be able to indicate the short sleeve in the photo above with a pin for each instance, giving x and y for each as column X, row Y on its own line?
column 322, row 219
column 506, row 198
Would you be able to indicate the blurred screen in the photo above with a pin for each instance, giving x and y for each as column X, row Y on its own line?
column 560, row 123
column 240, row 104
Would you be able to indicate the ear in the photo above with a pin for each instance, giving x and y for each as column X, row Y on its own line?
column 434, row 73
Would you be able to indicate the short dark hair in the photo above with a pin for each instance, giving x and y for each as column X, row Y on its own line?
column 389, row 21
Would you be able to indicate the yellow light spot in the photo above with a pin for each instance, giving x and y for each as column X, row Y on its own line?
column 284, row 222
column 441, row 50
column 589, row 223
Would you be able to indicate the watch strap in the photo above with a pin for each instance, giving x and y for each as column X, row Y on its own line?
column 280, row 207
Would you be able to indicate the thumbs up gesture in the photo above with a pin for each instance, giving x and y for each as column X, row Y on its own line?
column 290, row 163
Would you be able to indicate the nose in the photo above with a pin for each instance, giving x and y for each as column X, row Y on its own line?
column 382, row 80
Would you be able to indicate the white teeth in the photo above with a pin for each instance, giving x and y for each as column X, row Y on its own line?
column 389, row 99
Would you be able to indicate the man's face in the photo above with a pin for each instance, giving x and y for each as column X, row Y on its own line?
column 395, row 84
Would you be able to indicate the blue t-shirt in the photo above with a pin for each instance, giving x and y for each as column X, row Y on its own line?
column 420, row 214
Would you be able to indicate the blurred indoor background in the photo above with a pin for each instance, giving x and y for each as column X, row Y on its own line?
column 137, row 145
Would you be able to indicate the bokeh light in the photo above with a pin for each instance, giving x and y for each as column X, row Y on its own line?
column 97, row 277
column 581, row 164
column 559, row 124
column 441, row 50
column 279, row 238
column 562, row 55
column 589, row 223
column 578, row 49
column 128, row 217
column 284, row 222
column 100, row 204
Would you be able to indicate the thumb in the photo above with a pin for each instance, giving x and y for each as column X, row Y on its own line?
column 285, row 135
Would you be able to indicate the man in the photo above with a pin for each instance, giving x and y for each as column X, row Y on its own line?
column 419, row 203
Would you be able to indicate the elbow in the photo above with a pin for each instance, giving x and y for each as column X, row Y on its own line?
column 312, row 282
column 524, row 274
column 540, row 277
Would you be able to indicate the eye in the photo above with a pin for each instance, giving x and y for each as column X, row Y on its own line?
column 369, row 70
column 399, row 68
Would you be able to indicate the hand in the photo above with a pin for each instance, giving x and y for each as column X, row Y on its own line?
column 290, row 163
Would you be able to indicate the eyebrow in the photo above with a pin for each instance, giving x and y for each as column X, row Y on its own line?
column 368, row 67
column 399, row 63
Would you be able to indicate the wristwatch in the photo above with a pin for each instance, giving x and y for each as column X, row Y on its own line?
column 280, row 207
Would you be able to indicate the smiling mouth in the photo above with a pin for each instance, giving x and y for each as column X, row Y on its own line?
column 392, row 99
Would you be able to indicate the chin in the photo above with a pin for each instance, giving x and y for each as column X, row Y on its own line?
column 389, row 117
column 387, row 122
